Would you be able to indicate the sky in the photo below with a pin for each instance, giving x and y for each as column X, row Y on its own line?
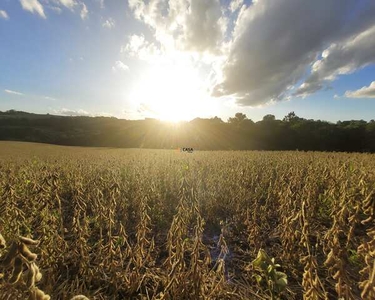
column 181, row 59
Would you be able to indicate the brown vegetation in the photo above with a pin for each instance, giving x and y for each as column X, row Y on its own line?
column 158, row 224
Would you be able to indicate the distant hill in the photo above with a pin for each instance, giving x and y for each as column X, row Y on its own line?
column 239, row 133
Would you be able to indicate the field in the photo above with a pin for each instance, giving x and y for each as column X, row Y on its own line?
column 161, row 224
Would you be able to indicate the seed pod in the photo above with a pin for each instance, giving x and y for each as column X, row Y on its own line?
column 307, row 276
column 80, row 297
column 38, row 275
column 12, row 253
column 37, row 294
column 368, row 220
column 308, row 293
column 2, row 242
column 330, row 259
column 27, row 253
column 17, row 271
column 337, row 275
column 30, row 281
column 28, row 241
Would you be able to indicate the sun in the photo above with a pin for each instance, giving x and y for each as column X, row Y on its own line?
column 172, row 92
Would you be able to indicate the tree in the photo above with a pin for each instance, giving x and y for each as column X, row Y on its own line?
column 216, row 119
column 269, row 118
column 291, row 117
column 238, row 118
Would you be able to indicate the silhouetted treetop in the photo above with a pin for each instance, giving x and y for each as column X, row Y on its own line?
column 269, row 118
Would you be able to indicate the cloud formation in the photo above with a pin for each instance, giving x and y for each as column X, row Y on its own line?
column 76, row 6
column 140, row 48
column 191, row 25
column 110, row 23
column 84, row 12
column 79, row 113
column 119, row 67
column 259, row 50
column 4, row 15
column 365, row 92
column 72, row 112
column 235, row 5
column 275, row 42
column 56, row 9
column 67, row 3
column 50, row 98
column 340, row 58
column 33, row 6
column 14, row 92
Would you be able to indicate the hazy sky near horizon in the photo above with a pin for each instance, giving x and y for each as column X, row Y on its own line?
column 181, row 59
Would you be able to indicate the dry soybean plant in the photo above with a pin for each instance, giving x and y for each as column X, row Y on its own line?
column 24, row 274
column 153, row 224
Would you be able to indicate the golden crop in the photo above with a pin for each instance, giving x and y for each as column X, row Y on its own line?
column 160, row 224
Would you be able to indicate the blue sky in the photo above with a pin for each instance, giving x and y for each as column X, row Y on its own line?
column 181, row 59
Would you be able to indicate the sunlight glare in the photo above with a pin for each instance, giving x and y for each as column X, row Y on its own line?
column 173, row 92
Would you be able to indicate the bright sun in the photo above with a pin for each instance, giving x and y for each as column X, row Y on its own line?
column 172, row 93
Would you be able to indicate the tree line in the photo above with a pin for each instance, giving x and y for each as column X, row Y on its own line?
column 238, row 133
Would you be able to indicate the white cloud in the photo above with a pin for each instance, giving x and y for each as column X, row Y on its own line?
column 135, row 43
column 78, row 113
column 84, row 11
column 119, row 66
column 14, row 93
column 77, row 6
column 56, row 9
column 192, row 25
column 365, row 92
column 235, row 5
column 33, row 6
column 68, row 3
column 341, row 58
column 275, row 42
column 140, row 48
column 271, row 47
column 4, row 15
column 110, row 23
column 50, row 98
column 71, row 112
